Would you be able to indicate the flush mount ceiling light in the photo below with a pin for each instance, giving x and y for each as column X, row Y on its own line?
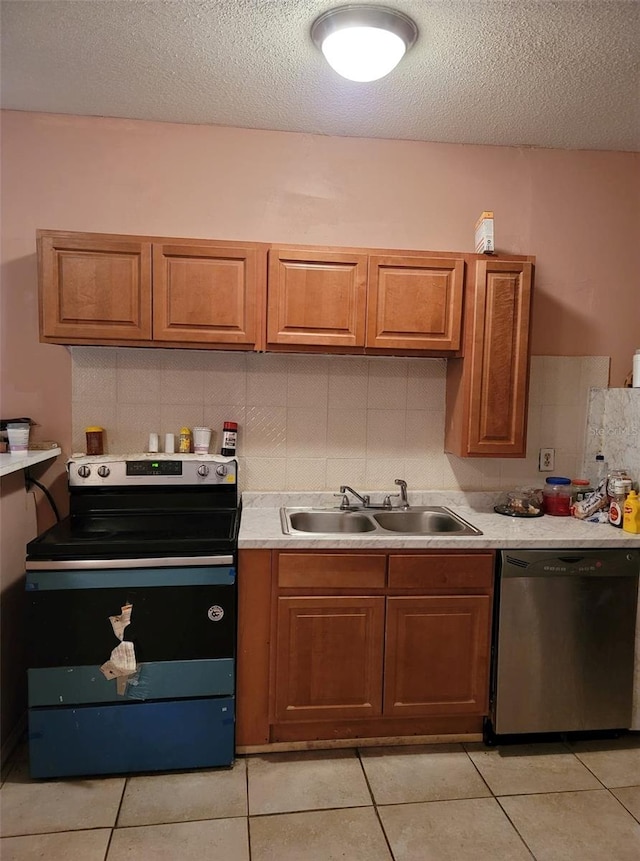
column 363, row 43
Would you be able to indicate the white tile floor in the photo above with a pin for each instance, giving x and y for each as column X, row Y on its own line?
column 548, row 802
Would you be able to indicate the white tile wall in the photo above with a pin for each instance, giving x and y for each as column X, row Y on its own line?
column 315, row 422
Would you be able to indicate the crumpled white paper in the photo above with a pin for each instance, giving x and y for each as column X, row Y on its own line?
column 122, row 662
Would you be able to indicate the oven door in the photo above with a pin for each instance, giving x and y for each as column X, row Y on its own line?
column 180, row 613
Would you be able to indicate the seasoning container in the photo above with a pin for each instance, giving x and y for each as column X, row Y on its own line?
column 631, row 513
column 581, row 488
column 229, row 439
column 619, row 488
column 184, row 443
column 556, row 496
column 95, row 440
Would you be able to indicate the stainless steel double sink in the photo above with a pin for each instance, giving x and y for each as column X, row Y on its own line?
column 419, row 520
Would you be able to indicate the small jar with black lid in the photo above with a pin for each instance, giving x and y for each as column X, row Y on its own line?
column 556, row 496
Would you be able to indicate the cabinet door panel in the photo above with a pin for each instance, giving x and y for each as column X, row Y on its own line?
column 500, row 363
column 316, row 297
column 206, row 294
column 94, row 288
column 415, row 303
column 437, row 655
column 329, row 658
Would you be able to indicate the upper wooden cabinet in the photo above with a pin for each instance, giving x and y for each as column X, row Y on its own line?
column 94, row 287
column 486, row 410
column 204, row 293
column 316, row 297
column 357, row 302
column 415, row 303
column 145, row 291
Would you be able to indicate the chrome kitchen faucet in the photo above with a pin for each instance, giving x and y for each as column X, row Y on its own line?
column 365, row 499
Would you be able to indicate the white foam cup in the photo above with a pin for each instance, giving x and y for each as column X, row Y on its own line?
column 201, row 440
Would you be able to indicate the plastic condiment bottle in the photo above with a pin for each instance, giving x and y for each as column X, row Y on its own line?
column 618, row 490
column 184, row 443
column 631, row 513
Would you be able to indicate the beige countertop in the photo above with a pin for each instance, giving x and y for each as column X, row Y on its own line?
column 261, row 528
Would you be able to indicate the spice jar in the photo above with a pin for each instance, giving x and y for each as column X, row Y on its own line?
column 95, row 440
column 229, row 439
column 556, row 496
column 581, row 488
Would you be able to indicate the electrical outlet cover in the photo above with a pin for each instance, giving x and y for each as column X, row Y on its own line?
column 546, row 459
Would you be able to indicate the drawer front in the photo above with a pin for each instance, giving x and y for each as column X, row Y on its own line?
column 438, row 571
column 331, row 570
column 131, row 737
column 54, row 686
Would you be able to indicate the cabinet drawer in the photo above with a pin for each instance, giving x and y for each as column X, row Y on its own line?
column 333, row 570
column 453, row 570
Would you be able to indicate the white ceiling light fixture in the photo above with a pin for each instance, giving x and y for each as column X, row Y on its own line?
column 364, row 42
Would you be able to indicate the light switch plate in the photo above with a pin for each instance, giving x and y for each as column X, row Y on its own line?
column 546, row 459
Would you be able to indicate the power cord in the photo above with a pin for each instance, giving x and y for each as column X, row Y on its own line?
column 29, row 480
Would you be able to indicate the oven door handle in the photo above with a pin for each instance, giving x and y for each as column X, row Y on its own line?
column 90, row 564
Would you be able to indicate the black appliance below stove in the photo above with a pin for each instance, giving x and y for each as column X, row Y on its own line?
column 154, row 537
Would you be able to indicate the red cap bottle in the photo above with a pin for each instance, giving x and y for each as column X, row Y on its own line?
column 229, row 439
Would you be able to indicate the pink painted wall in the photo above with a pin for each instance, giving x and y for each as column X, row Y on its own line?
column 578, row 212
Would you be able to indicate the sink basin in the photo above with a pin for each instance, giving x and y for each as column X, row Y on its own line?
column 330, row 521
column 429, row 520
column 421, row 522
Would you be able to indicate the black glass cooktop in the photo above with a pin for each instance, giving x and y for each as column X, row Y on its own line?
column 138, row 535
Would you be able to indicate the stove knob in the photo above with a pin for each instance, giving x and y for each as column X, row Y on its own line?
column 221, row 470
column 203, row 470
column 84, row 471
column 103, row 471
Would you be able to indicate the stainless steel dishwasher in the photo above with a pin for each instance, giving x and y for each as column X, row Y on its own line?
column 564, row 640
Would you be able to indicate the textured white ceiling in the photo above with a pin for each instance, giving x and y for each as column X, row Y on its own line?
column 512, row 72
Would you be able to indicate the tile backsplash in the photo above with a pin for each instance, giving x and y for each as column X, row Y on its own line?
column 312, row 422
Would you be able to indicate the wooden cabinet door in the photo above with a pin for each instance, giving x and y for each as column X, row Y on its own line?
column 415, row 303
column 487, row 390
column 94, row 288
column 316, row 297
column 208, row 294
column 437, row 655
column 328, row 658
column 500, row 362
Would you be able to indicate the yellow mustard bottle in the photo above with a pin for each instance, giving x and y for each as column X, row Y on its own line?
column 631, row 513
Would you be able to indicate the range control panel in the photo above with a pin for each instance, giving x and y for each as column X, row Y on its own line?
column 99, row 471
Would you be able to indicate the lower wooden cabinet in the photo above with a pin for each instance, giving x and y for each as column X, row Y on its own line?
column 437, row 655
column 410, row 657
column 329, row 658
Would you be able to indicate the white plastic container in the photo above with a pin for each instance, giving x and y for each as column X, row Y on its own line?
column 18, row 434
column 636, row 370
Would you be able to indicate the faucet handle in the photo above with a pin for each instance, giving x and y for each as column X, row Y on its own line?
column 386, row 503
column 345, row 500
